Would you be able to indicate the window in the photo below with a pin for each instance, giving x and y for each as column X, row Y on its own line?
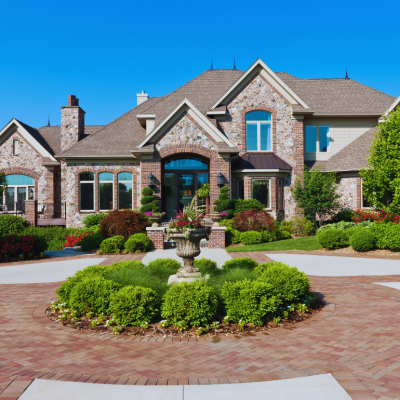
column 15, row 147
column 281, row 194
column 106, row 183
column 202, row 178
column 86, row 191
column 240, row 189
column 19, row 189
column 317, row 137
column 261, row 191
column 258, row 131
column 185, row 164
column 125, row 190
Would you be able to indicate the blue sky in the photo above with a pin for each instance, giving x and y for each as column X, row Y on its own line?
column 105, row 52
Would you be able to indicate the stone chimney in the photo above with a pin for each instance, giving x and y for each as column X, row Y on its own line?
column 142, row 97
column 72, row 123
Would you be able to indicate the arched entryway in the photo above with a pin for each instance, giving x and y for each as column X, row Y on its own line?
column 181, row 177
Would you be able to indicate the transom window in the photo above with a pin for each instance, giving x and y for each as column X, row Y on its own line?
column 106, row 183
column 185, row 164
column 317, row 139
column 261, row 191
column 258, row 131
column 125, row 190
column 86, row 191
column 19, row 189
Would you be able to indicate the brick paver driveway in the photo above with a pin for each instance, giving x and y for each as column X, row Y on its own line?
column 356, row 338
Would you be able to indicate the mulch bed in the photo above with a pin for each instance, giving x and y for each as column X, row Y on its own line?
column 155, row 329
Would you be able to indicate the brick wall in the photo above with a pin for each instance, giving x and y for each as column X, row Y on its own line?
column 156, row 235
column 31, row 211
column 216, row 239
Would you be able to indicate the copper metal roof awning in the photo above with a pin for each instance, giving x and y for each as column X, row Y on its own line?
column 260, row 161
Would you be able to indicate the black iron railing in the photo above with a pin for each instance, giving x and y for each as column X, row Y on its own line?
column 16, row 208
column 51, row 210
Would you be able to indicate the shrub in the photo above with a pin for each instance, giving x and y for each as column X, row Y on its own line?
column 39, row 244
column 387, row 236
column 351, row 231
column 287, row 283
column 190, row 304
column 247, row 204
column 12, row 224
column 301, row 226
column 128, row 264
column 374, row 216
column 285, row 226
column 133, row 305
column 224, row 203
column 363, row 240
column 123, row 223
column 217, row 281
column 74, row 239
column 253, row 220
column 148, row 201
column 333, row 239
column 271, row 236
column 92, row 293
column 206, row 266
column 261, row 268
column 231, row 236
column 138, row 241
column 342, row 215
column 163, row 268
column 251, row 237
column 112, row 245
column 240, row 262
column 249, row 301
column 91, row 242
column 226, row 222
column 13, row 245
column 93, row 219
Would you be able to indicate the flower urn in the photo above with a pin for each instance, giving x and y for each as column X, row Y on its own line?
column 155, row 219
column 216, row 218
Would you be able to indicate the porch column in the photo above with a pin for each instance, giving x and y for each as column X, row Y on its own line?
column 31, row 212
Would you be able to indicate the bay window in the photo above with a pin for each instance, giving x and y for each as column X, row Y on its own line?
column 261, row 191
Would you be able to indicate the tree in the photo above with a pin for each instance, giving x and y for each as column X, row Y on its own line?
column 3, row 187
column 317, row 194
column 381, row 180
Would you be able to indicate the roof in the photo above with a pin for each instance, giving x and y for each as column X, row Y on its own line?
column 259, row 161
column 338, row 96
column 350, row 158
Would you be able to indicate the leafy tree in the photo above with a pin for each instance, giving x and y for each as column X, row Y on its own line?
column 317, row 194
column 3, row 187
column 381, row 181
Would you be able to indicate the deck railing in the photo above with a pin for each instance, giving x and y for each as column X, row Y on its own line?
column 51, row 210
column 16, row 208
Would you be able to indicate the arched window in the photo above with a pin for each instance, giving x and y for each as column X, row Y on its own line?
column 185, row 164
column 125, row 190
column 106, row 183
column 86, row 191
column 258, row 131
column 19, row 189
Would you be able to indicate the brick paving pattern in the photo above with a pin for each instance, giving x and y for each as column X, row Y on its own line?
column 356, row 338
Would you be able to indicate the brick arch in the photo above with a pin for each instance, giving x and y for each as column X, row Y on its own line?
column 189, row 149
column 273, row 125
column 21, row 171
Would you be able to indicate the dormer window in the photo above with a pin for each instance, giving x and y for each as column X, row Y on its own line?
column 258, row 131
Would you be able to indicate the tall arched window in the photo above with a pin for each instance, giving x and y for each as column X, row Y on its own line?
column 106, row 183
column 125, row 190
column 86, row 191
column 258, row 131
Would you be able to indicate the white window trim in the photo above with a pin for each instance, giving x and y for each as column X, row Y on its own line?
column 328, row 150
column 112, row 182
column 124, row 181
column 259, row 135
column 269, row 187
column 16, row 193
column 80, row 193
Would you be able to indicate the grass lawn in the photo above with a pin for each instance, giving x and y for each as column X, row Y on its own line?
column 306, row 243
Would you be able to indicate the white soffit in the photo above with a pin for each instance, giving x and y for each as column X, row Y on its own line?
column 270, row 76
column 27, row 136
column 203, row 121
column 393, row 106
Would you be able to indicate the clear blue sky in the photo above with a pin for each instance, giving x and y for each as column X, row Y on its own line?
column 105, row 52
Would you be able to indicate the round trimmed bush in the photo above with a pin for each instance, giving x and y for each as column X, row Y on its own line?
column 12, row 224
column 93, row 219
column 92, row 293
column 363, row 240
column 138, row 241
column 251, row 237
column 112, row 245
column 133, row 305
column 206, row 266
column 240, row 262
column 128, row 264
column 287, row 283
column 163, row 268
column 91, row 242
column 148, row 201
column 190, row 304
column 333, row 239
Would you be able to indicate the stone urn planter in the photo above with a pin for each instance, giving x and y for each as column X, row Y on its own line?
column 155, row 219
column 216, row 218
column 188, row 248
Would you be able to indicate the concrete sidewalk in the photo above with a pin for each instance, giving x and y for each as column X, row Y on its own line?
column 317, row 387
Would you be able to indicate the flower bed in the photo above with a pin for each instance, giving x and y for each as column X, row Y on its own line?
column 19, row 247
column 133, row 299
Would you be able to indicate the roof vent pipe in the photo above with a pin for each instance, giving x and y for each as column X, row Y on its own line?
column 142, row 97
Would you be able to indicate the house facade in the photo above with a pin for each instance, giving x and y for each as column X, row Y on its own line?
column 252, row 131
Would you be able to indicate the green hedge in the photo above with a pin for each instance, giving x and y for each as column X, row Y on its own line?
column 240, row 262
column 138, row 242
column 363, row 240
column 112, row 245
column 333, row 239
column 91, row 242
column 12, row 224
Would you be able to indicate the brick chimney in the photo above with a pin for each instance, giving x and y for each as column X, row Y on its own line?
column 72, row 123
column 142, row 97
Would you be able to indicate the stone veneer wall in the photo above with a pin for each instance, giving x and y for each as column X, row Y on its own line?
column 27, row 162
column 70, row 186
column 72, row 126
column 350, row 191
column 287, row 132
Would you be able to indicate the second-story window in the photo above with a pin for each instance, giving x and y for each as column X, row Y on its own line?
column 317, row 138
column 258, row 131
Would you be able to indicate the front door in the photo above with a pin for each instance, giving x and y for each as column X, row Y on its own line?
column 186, row 189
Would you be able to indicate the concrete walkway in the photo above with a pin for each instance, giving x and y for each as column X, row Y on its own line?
column 339, row 266
column 218, row 255
column 318, row 387
column 52, row 271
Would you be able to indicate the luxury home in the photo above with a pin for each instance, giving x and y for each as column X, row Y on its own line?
column 252, row 131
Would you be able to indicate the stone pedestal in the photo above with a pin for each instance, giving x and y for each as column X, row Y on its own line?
column 188, row 277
